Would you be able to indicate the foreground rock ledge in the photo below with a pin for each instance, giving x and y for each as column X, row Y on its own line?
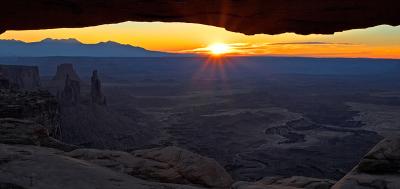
column 26, row 166
column 170, row 164
column 295, row 182
column 379, row 169
column 45, row 168
column 245, row 16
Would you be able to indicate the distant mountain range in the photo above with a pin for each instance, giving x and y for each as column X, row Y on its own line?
column 74, row 48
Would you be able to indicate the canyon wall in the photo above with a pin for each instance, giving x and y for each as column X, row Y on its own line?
column 21, row 77
column 39, row 107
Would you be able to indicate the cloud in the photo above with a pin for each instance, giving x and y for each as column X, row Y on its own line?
column 268, row 48
column 311, row 43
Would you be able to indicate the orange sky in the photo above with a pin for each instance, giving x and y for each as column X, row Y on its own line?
column 376, row 42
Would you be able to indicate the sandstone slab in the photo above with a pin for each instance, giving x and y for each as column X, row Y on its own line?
column 43, row 168
column 379, row 169
column 170, row 164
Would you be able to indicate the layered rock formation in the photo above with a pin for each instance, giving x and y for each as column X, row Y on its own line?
column 17, row 131
column 96, row 92
column 249, row 17
column 86, row 120
column 68, row 86
column 379, row 169
column 63, row 70
column 21, row 77
column 37, row 106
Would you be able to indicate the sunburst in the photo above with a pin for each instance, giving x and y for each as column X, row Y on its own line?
column 219, row 49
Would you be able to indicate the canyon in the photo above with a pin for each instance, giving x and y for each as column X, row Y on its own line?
column 26, row 147
column 158, row 145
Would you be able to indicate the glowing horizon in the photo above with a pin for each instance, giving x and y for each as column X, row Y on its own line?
column 376, row 42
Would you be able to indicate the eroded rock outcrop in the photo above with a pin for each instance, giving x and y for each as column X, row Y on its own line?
column 170, row 164
column 249, row 17
column 37, row 106
column 30, row 118
column 17, row 131
column 71, row 93
column 63, row 70
column 295, row 182
column 21, row 77
column 192, row 167
column 379, row 169
column 96, row 92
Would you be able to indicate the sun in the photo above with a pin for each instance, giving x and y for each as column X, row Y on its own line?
column 218, row 49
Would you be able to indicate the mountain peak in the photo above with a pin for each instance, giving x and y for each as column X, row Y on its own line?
column 110, row 43
column 70, row 40
column 72, row 47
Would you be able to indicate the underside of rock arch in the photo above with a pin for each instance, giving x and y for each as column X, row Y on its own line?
column 245, row 16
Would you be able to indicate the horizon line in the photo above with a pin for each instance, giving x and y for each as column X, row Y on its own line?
column 206, row 56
